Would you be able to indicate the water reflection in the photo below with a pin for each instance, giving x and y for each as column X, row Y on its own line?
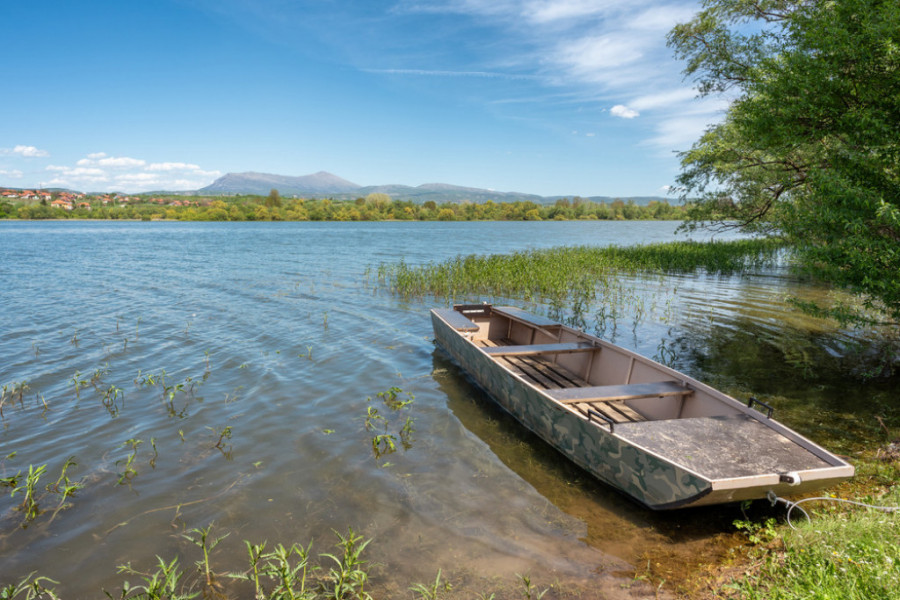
column 606, row 519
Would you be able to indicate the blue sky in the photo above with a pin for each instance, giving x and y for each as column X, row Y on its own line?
column 553, row 97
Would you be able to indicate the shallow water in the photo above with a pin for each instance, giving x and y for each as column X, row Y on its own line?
column 278, row 332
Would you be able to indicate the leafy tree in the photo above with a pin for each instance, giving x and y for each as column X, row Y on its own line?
column 273, row 200
column 810, row 146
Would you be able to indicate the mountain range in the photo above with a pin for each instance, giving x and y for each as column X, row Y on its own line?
column 324, row 184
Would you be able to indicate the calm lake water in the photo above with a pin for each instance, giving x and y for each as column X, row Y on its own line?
column 276, row 334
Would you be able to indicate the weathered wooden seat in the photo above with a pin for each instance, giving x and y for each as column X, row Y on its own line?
column 608, row 393
column 455, row 319
column 525, row 317
column 526, row 349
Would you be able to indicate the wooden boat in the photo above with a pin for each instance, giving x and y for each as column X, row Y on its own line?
column 665, row 439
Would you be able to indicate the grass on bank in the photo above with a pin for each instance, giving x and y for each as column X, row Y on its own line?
column 843, row 553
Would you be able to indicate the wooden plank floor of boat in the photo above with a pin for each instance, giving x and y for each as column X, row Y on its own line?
column 548, row 375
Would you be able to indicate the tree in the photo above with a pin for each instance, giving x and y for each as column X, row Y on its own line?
column 273, row 200
column 810, row 146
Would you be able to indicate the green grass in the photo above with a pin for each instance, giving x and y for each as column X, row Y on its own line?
column 571, row 272
column 841, row 554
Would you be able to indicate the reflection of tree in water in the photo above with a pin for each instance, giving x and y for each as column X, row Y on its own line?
column 821, row 382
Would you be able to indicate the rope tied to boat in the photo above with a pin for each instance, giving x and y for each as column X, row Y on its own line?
column 774, row 499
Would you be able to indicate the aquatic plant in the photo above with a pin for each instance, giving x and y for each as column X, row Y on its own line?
column 11, row 392
column 433, row 591
column 161, row 584
column 30, row 587
column 385, row 442
column 29, row 504
column 347, row 578
column 128, row 472
column 571, row 280
column 200, row 537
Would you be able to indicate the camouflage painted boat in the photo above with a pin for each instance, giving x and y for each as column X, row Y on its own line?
column 661, row 437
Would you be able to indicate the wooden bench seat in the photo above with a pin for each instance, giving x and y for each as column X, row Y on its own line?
column 607, row 393
column 525, row 317
column 524, row 350
column 455, row 319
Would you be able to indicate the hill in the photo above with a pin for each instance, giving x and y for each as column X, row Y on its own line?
column 324, row 184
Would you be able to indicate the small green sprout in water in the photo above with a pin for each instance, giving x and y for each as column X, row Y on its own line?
column 78, row 382
column 385, row 442
column 74, row 340
column 223, row 435
column 328, row 431
column 433, row 591
column 29, row 504
column 128, row 472
column 110, row 399
column 155, row 453
column 12, row 392
column 530, row 593
column 201, row 538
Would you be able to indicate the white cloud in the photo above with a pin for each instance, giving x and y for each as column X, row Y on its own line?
column 30, row 151
column 13, row 174
column 172, row 166
column 24, row 151
column 109, row 173
column 101, row 159
column 623, row 112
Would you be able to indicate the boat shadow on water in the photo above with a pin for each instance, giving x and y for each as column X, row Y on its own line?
column 612, row 522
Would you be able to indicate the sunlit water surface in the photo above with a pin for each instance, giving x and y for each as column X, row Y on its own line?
column 278, row 332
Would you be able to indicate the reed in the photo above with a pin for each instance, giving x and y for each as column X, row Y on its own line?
column 564, row 271
column 11, row 392
column 574, row 281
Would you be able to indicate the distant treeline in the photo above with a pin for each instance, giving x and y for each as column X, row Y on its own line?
column 375, row 207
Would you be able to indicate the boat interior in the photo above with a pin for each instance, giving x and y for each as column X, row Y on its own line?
column 599, row 380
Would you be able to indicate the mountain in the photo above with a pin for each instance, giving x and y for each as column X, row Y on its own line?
column 317, row 184
column 327, row 185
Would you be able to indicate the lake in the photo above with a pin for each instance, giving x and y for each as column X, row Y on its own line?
column 221, row 373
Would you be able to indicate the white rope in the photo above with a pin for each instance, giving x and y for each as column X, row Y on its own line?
column 792, row 505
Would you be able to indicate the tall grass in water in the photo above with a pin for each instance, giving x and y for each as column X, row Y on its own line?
column 550, row 273
column 575, row 279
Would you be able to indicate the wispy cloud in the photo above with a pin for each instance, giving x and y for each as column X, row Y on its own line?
column 12, row 174
column 610, row 50
column 439, row 73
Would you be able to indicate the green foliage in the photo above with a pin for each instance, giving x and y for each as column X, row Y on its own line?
column 375, row 207
column 385, row 442
column 557, row 273
column 811, row 145
column 836, row 556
